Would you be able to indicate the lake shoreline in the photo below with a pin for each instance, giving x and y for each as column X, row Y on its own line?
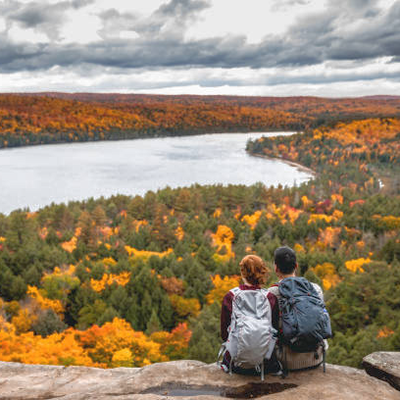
column 300, row 167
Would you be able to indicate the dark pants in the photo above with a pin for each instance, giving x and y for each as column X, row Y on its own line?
column 270, row 366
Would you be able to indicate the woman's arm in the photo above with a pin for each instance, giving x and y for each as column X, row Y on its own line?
column 226, row 312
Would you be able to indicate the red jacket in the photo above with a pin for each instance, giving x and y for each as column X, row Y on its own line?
column 226, row 310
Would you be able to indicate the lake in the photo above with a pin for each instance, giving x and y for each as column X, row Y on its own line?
column 37, row 176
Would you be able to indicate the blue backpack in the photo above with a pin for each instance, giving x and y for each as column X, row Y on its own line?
column 305, row 320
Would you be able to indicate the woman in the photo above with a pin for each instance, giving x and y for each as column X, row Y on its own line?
column 254, row 275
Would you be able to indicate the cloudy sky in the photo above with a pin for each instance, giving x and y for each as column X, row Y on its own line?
column 242, row 47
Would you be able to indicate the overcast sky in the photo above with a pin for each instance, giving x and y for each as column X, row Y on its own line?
column 242, row 47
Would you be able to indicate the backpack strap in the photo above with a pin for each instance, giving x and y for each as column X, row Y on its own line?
column 274, row 289
column 235, row 291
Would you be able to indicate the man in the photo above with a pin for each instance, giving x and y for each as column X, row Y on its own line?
column 286, row 267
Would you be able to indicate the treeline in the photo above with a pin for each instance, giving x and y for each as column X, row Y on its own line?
column 29, row 119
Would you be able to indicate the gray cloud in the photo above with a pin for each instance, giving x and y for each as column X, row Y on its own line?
column 346, row 30
column 283, row 5
column 42, row 16
column 169, row 20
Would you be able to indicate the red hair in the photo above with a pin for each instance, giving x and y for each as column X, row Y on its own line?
column 254, row 270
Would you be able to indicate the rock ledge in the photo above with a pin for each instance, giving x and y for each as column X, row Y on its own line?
column 184, row 380
column 384, row 365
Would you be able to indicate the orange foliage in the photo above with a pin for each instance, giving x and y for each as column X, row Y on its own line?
column 385, row 332
column 174, row 345
column 329, row 237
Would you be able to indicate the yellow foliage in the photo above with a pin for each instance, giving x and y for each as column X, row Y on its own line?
column 320, row 217
column 109, row 262
column 179, row 233
column 222, row 239
column 298, row 248
column 114, row 344
column 144, row 254
column 356, row 265
column 388, row 222
column 185, row 307
column 138, row 224
column 337, row 198
column 5, row 326
column 217, row 213
column 327, row 272
column 252, row 219
column 221, row 287
column 306, row 202
column 108, row 279
column 44, row 303
column 103, row 342
column 70, row 271
column 23, row 321
column 122, row 358
column 69, row 246
column 337, row 214
column 58, row 348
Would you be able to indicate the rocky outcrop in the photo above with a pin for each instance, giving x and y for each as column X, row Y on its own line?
column 384, row 365
column 184, row 379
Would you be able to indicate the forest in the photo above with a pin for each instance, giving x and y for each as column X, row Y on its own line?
column 129, row 281
column 41, row 118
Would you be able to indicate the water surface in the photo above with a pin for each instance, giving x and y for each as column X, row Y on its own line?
column 37, row 176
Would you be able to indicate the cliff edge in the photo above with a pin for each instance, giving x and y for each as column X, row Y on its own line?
column 184, row 379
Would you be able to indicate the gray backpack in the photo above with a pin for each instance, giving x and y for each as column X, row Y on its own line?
column 251, row 337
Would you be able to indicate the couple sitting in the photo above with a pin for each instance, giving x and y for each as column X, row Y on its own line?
column 280, row 329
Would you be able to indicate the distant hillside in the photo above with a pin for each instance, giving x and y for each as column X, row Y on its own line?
column 382, row 97
column 40, row 118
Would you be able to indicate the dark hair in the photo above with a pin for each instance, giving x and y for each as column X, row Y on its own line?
column 254, row 270
column 285, row 259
